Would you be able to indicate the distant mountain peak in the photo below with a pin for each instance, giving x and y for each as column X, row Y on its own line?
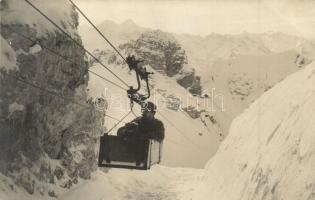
column 108, row 22
column 129, row 22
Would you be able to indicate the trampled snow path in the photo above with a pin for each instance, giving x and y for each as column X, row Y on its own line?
column 159, row 183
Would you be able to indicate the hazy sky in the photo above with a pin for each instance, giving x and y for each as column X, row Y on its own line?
column 203, row 17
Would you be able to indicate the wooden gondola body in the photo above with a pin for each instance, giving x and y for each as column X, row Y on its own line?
column 129, row 152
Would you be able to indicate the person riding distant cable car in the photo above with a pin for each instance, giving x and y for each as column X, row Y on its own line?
column 146, row 126
column 133, row 62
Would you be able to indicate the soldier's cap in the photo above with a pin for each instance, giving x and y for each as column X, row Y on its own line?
column 149, row 106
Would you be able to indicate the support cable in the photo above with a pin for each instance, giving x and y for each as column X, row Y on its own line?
column 103, row 36
column 20, row 79
column 107, row 132
column 76, row 42
column 65, row 57
column 186, row 137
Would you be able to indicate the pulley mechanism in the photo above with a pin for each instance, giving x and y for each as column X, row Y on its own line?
column 141, row 73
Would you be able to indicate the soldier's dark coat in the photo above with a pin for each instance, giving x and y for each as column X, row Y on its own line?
column 142, row 127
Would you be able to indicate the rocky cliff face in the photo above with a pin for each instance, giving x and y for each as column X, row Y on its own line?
column 158, row 49
column 45, row 140
column 190, row 81
column 163, row 53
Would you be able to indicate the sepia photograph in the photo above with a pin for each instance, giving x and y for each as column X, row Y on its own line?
column 157, row 100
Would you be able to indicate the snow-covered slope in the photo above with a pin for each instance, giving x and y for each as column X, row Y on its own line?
column 202, row 52
column 118, row 184
column 158, row 183
column 270, row 150
column 242, row 79
column 269, row 154
column 238, row 67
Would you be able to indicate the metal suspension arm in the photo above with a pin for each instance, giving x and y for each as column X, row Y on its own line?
column 148, row 88
column 138, row 81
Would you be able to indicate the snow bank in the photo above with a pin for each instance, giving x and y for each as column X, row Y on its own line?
column 19, row 12
column 35, row 49
column 7, row 56
column 243, row 79
column 15, row 107
column 118, row 184
column 270, row 151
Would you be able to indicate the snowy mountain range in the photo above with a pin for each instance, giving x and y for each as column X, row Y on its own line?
column 253, row 123
column 118, row 34
column 232, row 70
column 268, row 154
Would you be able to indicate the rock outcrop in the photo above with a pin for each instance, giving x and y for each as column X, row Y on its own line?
column 163, row 53
column 190, row 81
column 158, row 49
column 48, row 131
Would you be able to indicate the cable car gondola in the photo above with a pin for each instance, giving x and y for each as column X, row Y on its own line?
column 131, row 152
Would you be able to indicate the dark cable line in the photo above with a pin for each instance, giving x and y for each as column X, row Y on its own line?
column 114, row 118
column 207, row 111
column 173, row 124
column 105, row 79
column 131, row 111
column 75, row 102
column 76, row 42
column 182, row 132
column 54, row 93
column 65, row 58
column 118, row 122
column 103, row 36
column 134, row 114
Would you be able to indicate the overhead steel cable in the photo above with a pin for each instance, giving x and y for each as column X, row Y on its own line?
column 65, row 58
column 105, row 79
column 103, row 36
column 172, row 141
column 54, row 94
column 186, row 137
column 107, row 132
column 228, row 116
column 76, row 42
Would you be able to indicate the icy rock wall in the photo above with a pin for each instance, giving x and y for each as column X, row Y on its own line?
column 45, row 140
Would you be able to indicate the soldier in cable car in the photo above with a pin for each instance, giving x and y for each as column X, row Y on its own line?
column 146, row 126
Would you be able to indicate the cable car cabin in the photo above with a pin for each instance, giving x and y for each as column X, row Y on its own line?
column 129, row 152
